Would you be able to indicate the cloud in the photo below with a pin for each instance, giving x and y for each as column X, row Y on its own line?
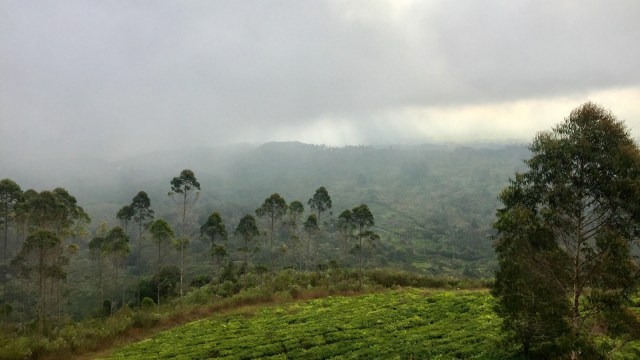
column 113, row 78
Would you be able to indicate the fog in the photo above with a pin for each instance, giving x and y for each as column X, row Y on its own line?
column 115, row 79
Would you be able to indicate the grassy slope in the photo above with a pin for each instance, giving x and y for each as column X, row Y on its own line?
column 394, row 324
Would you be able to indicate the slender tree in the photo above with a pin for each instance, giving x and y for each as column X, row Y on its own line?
column 311, row 227
column 345, row 227
column 118, row 243
column 273, row 209
column 99, row 250
column 573, row 215
column 10, row 195
column 294, row 215
column 247, row 229
column 125, row 215
column 186, row 188
column 39, row 253
column 214, row 230
column 161, row 233
column 142, row 215
column 363, row 221
column 320, row 202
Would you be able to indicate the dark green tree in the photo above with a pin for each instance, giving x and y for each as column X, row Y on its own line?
column 363, row 221
column 320, row 202
column 310, row 227
column 273, row 209
column 247, row 230
column 345, row 227
column 186, row 189
column 142, row 215
column 573, row 216
column 162, row 234
column 214, row 230
column 118, row 242
column 40, row 254
column 125, row 215
column 10, row 195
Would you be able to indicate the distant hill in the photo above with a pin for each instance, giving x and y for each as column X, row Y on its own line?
column 433, row 204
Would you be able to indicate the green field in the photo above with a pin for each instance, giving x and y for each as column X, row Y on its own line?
column 392, row 325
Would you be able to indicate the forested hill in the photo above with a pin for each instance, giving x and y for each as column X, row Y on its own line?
column 433, row 204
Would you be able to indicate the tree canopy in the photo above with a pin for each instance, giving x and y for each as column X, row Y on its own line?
column 565, row 233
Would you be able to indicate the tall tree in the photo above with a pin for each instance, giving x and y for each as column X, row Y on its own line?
column 574, row 213
column 320, row 201
column 39, row 253
column 142, row 215
column 247, row 229
column 273, row 209
column 125, row 214
column 294, row 215
column 10, row 194
column 161, row 233
column 311, row 227
column 118, row 243
column 186, row 188
column 363, row 221
column 345, row 227
column 214, row 230
column 99, row 250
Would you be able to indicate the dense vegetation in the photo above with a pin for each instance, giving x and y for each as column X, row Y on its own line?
column 389, row 325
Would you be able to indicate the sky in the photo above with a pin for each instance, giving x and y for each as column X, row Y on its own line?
column 116, row 78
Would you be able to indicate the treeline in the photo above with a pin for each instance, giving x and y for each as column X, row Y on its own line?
column 55, row 268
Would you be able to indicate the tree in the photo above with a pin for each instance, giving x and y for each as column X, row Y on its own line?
column 118, row 247
column 294, row 214
column 39, row 253
column 187, row 188
column 142, row 215
column 99, row 250
column 310, row 226
column 10, row 194
column 125, row 214
column 273, row 208
column 321, row 201
column 345, row 227
column 363, row 221
column 247, row 229
column 573, row 216
column 214, row 229
column 161, row 233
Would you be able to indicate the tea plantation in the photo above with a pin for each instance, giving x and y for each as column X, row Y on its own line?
column 392, row 325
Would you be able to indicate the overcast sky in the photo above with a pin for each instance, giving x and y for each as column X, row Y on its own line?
column 114, row 78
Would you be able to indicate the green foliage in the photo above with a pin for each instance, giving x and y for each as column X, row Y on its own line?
column 321, row 201
column 565, row 231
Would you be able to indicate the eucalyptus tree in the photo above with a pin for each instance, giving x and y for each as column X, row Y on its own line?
column 311, row 227
column 320, row 201
column 161, row 233
column 40, row 254
column 10, row 195
column 118, row 247
column 346, row 228
column 98, row 251
column 247, row 230
column 566, row 231
column 142, row 215
column 214, row 230
column 273, row 209
column 294, row 215
column 125, row 215
column 363, row 222
column 185, row 189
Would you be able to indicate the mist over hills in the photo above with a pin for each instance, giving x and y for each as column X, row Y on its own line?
column 433, row 203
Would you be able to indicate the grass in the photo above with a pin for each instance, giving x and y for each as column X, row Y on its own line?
column 402, row 324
